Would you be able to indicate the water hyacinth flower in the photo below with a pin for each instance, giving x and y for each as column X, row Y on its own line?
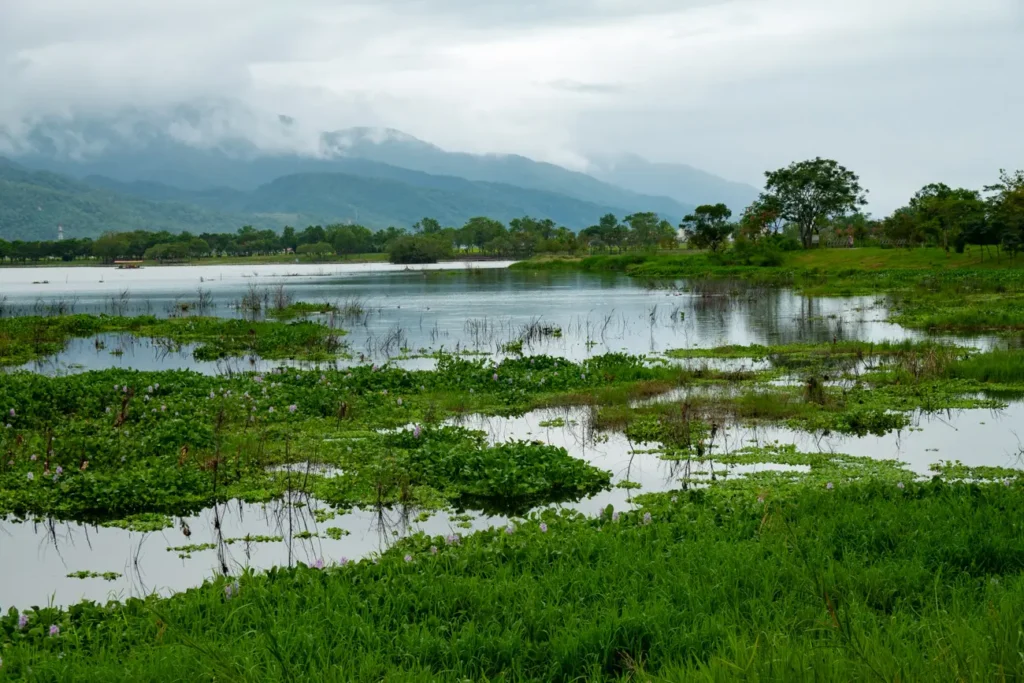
column 343, row 561
column 675, row 499
column 270, row 409
column 319, row 564
column 399, row 401
column 108, row 410
column 33, row 457
column 163, row 409
column 900, row 485
column 60, row 470
column 829, row 486
column 22, row 621
column 231, row 589
column 149, row 389
column 212, row 394
column 385, row 392
column 453, row 539
column 615, row 516
column 11, row 412
column 647, row 518
column 54, row 630
column 417, row 431
column 433, row 550
column 292, row 408
column 30, row 476
column 408, row 558
column 543, row 528
column 494, row 377
column 510, row 530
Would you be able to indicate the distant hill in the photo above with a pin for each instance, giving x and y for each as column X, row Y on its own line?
column 33, row 203
column 685, row 184
column 204, row 146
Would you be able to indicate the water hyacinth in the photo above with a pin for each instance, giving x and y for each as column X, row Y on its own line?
column 829, row 486
column 319, row 564
column 60, row 470
column 22, row 621
column 453, row 539
column 231, row 589
column 510, row 530
column 399, row 401
column 417, row 431
column 33, row 457
column 270, row 409
column 54, row 630
column 12, row 413
column 408, row 558
column 494, row 377
column 900, row 485
column 615, row 516
column 343, row 561
column 543, row 528
column 292, row 408
column 647, row 518
column 433, row 550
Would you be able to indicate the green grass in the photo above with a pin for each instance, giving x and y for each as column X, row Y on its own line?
column 867, row 581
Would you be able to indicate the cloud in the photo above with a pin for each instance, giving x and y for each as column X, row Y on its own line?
column 903, row 91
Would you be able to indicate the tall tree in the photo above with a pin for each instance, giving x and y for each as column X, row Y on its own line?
column 811, row 192
column 708, row 226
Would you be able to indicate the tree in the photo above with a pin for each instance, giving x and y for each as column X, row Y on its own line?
column 1006, row 210
column 811, row 192
column 763, row 217
column 427, row 226
column 945, row 213
column 708, row 226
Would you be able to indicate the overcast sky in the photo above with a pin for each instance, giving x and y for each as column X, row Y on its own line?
column 903, row 92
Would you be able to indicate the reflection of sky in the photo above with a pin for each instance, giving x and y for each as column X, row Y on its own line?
column 480, row 310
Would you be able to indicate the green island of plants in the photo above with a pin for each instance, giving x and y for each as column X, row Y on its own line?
column 27, row 338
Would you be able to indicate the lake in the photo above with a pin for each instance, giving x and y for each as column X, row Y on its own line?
column 476, row 307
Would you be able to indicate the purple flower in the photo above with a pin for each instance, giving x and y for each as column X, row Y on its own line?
column 292, row 408
column 12, row 412
column 212, row 394
column 270, row 409
column 408, row 558
column 453, row 539
column 760, row 499
column 163, row 408
column 433, row 550
column 108, row 410
column 675, row 499
column 319, row 564
column 30, row 476
column 582, row 376
column 647, row 518
column 494, row 377
column 343, row 561
column 54, row 630
column 417, row 431
column 33, row 458
column 510, row 530
column 60, row 470
column 22, row 622
column 829, row 486
column 543, row 528
column 231, row 589
column 149, row 389
column 615, row 516
column 900, row 485
column 399, row 401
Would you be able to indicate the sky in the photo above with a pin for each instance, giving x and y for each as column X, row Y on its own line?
column 903, row 92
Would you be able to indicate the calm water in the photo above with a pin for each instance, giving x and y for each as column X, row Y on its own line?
column 479, row 308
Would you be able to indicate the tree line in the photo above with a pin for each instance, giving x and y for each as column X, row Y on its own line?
column 801, row 205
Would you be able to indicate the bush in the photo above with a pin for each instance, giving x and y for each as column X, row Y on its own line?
column 418, row 249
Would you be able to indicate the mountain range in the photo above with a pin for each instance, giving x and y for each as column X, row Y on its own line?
column 92, row 175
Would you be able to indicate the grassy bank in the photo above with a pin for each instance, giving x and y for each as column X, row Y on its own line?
column 871, row 580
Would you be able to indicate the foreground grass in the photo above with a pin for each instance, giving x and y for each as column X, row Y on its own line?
column 865, row 581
